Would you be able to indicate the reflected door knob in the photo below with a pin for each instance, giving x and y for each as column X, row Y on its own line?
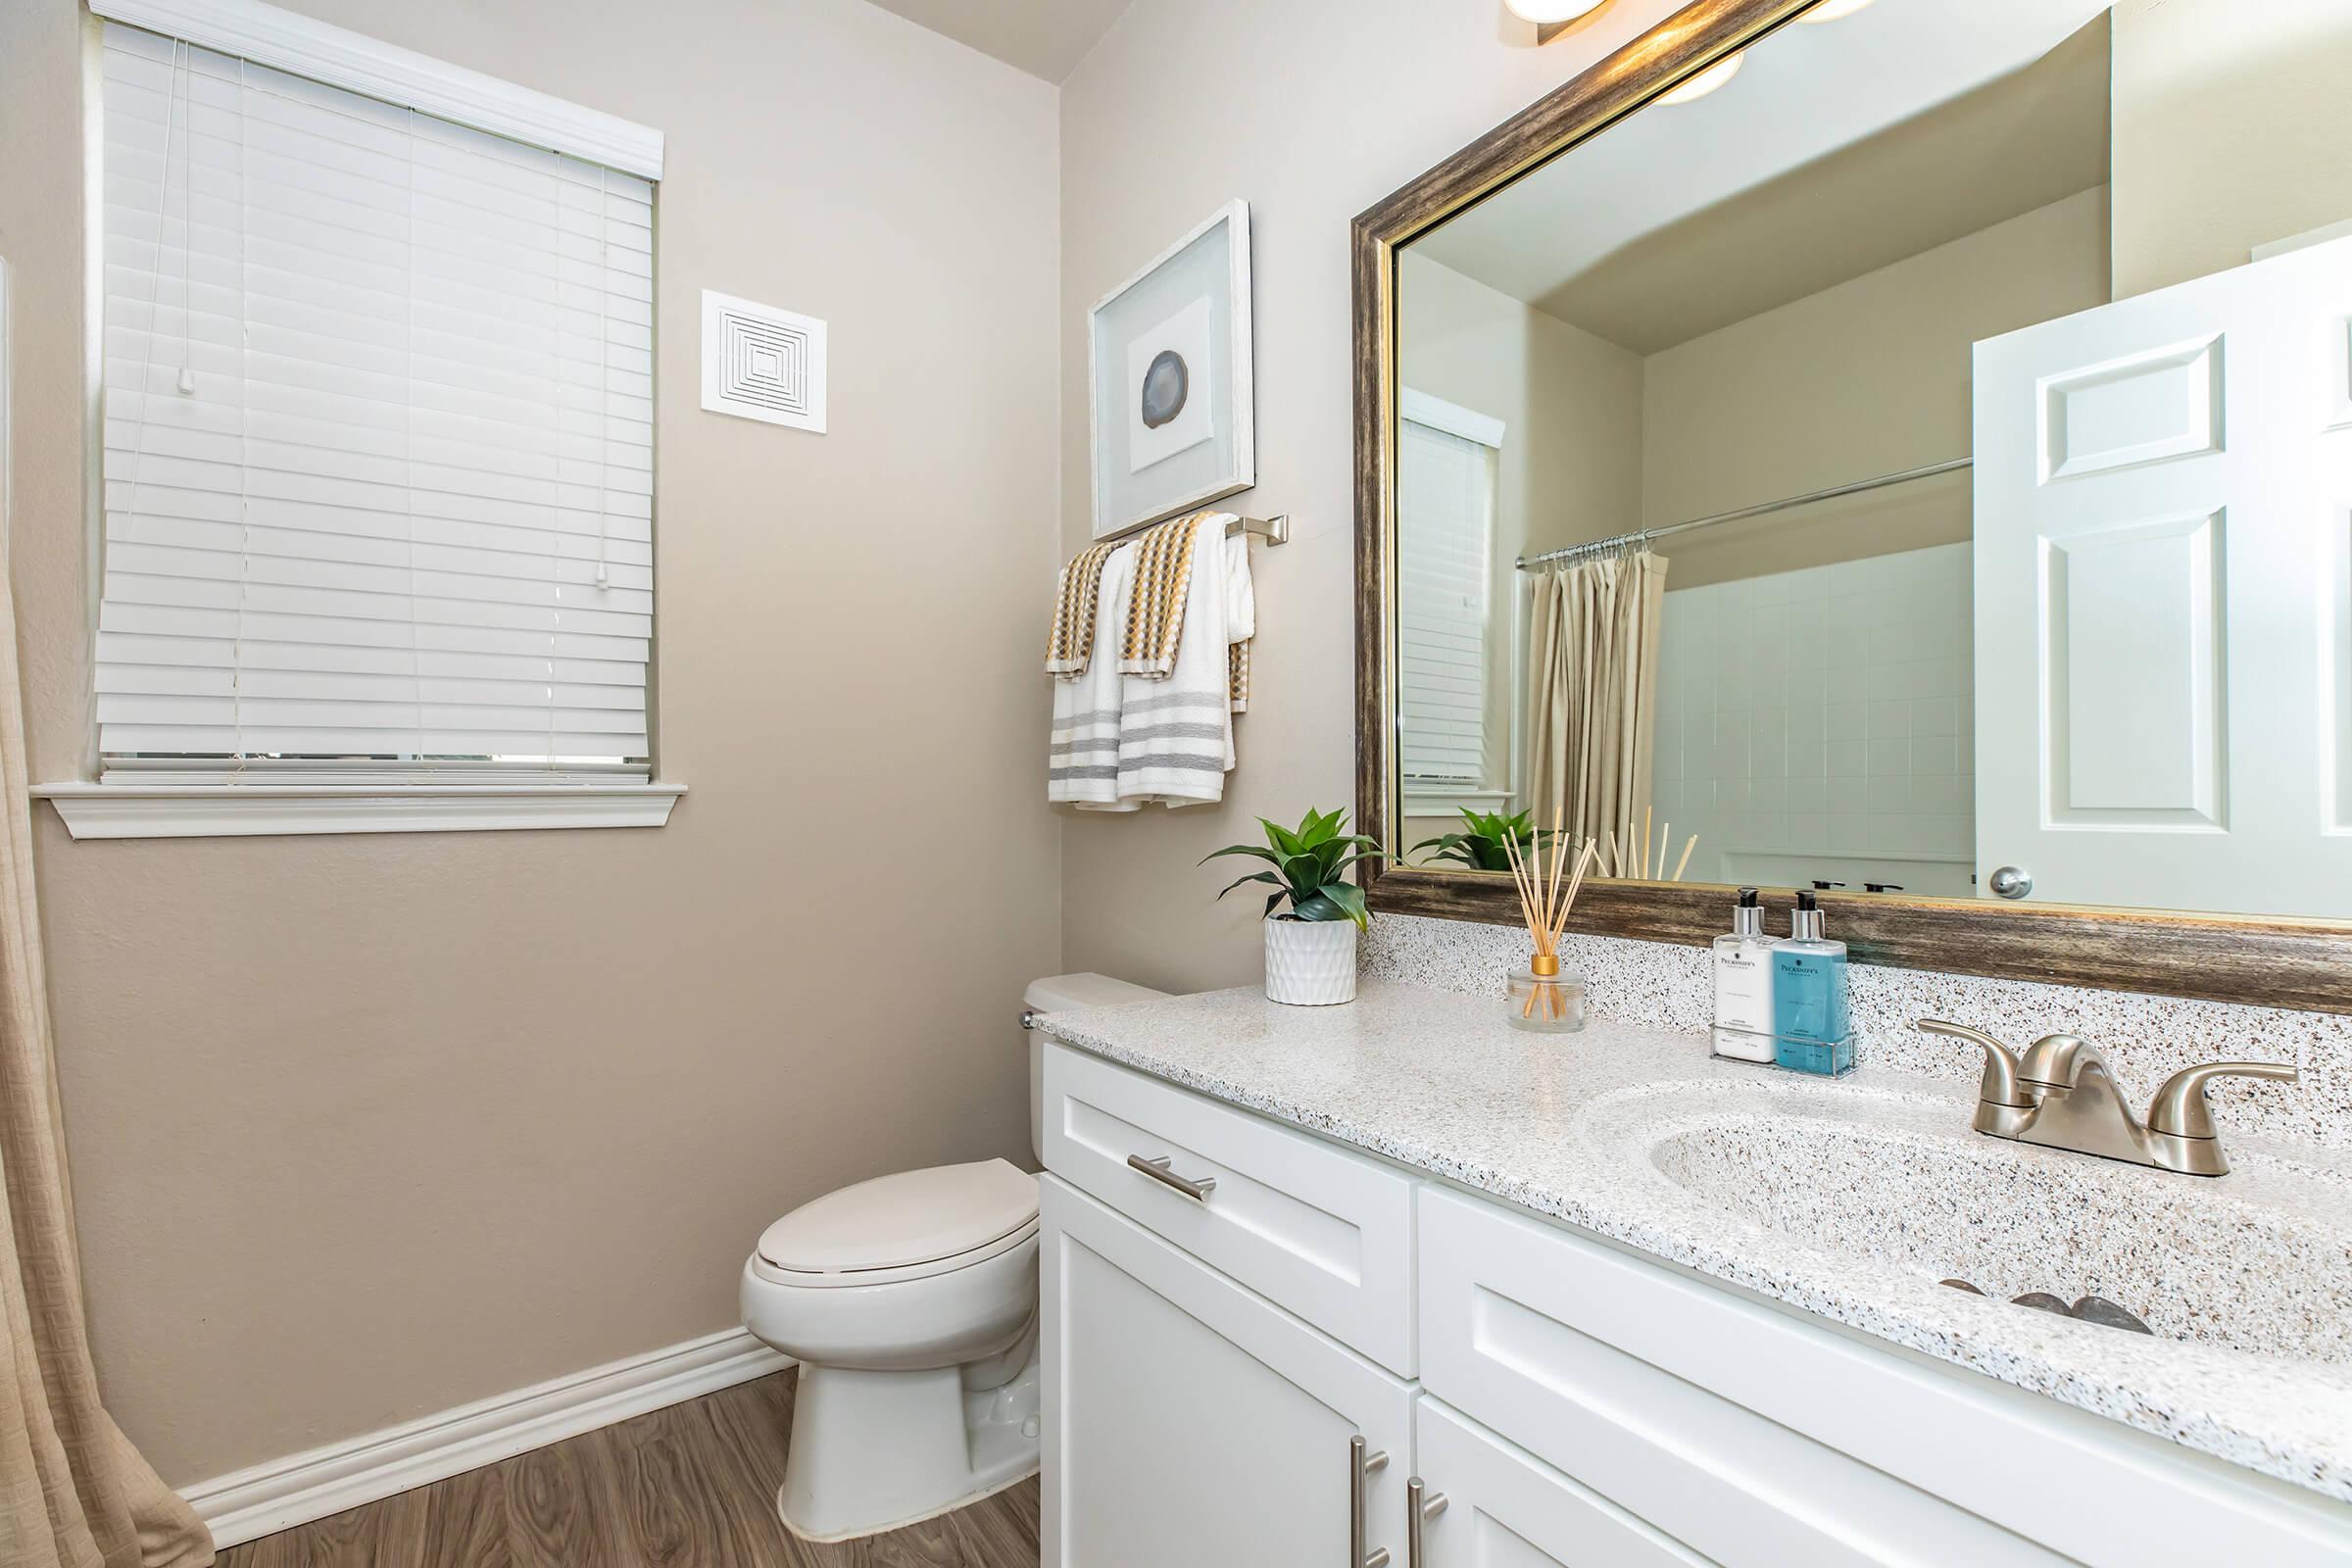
column 2012, row 882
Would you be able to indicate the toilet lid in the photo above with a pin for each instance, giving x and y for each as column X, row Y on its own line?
column 916, row 1216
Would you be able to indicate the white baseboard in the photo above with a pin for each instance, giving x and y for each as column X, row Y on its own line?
column 280, row 1493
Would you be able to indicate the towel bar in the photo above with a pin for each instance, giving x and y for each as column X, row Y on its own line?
column 1274, row 530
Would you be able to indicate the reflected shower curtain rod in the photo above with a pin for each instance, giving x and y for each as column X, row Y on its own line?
column 1642, row 536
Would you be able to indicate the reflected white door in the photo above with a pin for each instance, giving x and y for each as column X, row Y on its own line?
column 2163, row 572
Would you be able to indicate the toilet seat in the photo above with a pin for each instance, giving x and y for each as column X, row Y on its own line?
column 812, row 1279
column 909, row 1225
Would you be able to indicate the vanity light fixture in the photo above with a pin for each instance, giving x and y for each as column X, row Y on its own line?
column 1706, row 81
column 1831, row 10
column 1551, row 17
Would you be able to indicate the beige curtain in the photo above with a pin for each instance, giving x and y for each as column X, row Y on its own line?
column 73, row 1494
column 1594, row 688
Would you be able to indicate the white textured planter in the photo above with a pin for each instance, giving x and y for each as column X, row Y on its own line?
column 1310, row 963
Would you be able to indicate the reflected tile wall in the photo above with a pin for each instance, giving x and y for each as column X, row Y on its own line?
column 1822, row 719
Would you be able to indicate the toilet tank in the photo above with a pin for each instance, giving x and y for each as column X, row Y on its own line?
column 1051, row 994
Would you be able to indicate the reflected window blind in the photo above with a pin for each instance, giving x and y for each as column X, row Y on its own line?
column 379, row 431
column 1445, row 503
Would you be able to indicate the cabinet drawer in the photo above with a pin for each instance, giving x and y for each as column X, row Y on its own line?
column 1758, row 1438
column 1504, row 1506
column 1324, row 1233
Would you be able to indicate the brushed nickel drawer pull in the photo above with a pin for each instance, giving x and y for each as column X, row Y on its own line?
column 1362, row 1465
column 1157, row 1169
column 1420, row 1506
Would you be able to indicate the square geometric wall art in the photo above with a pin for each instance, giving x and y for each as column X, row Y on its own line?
column 761, row 363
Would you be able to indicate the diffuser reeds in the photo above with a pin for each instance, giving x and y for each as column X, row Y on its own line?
column 1546, row 892
column 1645, row 861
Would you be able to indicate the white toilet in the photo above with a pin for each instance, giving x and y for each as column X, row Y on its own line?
column 911, row 1302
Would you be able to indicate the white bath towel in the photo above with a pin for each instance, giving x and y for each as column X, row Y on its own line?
column 1176, row 734
column 1241, row 618
column 1083, row 757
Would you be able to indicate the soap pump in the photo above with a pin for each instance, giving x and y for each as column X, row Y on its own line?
column 1743, row 965
column 1808, row 995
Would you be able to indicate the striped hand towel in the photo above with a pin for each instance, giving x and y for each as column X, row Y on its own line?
column 1071, row 643
column 1176, row 733
column 1083, row 757
column 1163, row 572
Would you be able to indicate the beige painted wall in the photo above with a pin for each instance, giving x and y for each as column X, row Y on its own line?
column 1317, row 109
column 1570, row 467
column 365, row 1127
column 1871, row 376
column 2231, row 121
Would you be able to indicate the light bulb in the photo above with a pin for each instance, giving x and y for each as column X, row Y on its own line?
column 1831, row 10
column 1545, row 13
column 1706, row 81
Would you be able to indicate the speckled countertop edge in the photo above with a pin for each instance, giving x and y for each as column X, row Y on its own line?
column 1434, row 1082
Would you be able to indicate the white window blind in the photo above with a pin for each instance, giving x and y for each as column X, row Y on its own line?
column 379, row 431
column 1446, row 505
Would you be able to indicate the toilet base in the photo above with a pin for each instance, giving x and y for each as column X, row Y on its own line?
column 875, row 1450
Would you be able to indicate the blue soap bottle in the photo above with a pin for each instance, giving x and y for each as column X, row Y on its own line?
column 1808, row 997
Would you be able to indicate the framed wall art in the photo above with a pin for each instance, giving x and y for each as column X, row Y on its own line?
column 1170, row 400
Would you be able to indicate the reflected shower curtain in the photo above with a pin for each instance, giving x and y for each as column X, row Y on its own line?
column 1593, row 684
column 73, row 1494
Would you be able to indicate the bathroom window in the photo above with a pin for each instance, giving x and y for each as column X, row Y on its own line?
column 377, row 407
column 1446, row 485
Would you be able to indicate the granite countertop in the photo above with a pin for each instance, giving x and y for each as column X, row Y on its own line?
column 1623, row 1130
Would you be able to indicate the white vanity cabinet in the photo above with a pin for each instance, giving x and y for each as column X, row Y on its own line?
column 1573, row 1402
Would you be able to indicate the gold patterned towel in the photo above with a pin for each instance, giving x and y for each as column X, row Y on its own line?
column 1237, row 677
column 1071, row 643
column 1163, row 572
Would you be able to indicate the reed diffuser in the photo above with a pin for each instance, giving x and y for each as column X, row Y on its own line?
column 1544, row 999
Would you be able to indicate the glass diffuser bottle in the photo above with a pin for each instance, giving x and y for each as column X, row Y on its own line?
column 1544, row 999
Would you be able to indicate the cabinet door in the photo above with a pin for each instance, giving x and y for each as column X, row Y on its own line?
column 1506, row 1509
column 1190, row 1422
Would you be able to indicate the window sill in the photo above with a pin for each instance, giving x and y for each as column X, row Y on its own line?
column 1447, row 802
column 230, row 811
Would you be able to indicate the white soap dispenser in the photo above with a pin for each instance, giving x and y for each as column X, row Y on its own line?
column 1744, row 985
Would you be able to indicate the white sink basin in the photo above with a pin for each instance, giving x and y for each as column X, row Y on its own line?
column 2258, row 1262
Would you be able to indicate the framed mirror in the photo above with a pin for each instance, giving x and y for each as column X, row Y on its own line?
column 1770, row 472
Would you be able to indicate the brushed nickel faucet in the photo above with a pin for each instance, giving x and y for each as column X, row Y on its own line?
column 2060, row 1095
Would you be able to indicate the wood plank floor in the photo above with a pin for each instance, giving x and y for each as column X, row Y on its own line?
column 690, row 1487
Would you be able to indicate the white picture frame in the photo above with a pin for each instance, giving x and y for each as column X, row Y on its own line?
column 1168, row 433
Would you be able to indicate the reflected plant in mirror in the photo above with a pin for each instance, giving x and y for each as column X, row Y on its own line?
column 1484, row 841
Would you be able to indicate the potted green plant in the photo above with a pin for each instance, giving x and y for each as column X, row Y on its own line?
column 1480, row 844
column 1310, row 947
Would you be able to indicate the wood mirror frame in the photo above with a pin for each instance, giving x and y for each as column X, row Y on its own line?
column 2304, row 963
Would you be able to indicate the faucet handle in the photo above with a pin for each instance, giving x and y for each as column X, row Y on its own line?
column 1999, row 1086
column 2179, row 1110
